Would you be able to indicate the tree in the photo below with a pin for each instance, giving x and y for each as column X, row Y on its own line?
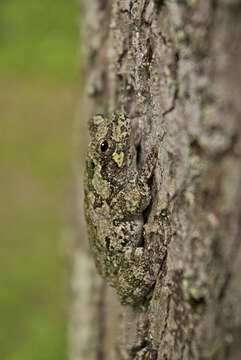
column 174, row 67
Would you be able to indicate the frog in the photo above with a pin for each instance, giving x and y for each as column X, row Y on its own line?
column 117, row 194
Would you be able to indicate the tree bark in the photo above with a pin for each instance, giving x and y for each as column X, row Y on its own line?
column 174, row 67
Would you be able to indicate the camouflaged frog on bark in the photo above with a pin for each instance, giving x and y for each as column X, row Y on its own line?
column 116, row 193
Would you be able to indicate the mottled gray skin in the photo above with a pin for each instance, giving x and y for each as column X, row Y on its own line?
column 116, row 193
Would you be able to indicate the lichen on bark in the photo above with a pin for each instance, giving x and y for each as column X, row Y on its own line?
column 174, row 68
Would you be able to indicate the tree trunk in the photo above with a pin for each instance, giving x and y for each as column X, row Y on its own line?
column 174, row 68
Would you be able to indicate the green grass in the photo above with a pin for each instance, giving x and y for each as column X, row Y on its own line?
column 38, row 41
column 38, row 38
column 35, row 156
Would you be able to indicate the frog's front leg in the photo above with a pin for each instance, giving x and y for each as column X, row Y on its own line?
column 135, row 197
column 131, row 201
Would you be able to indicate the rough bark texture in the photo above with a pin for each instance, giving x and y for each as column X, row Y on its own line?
column 174, row 67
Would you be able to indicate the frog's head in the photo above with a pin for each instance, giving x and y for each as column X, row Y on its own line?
column 110, row 142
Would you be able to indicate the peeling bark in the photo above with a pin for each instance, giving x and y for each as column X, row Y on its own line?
column 174, row 67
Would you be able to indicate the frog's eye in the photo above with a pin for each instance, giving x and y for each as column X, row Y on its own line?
column 105, row 146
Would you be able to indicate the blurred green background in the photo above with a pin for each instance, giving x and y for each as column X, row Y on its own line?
column 39, row 86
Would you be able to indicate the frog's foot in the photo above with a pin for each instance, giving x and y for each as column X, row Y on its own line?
column 136, row 277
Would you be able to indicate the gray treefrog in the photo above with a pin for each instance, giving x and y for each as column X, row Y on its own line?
column 117, row 191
